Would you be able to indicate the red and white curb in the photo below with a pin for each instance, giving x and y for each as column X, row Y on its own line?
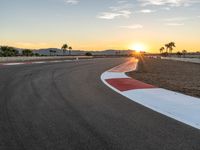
column 183, row 108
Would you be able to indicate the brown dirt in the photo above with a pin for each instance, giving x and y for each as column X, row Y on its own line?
column 177, row 76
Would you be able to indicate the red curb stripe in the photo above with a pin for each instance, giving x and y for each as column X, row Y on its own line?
column 126, row 67
column 125, row 84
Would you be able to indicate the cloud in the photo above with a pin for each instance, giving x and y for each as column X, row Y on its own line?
column 135, row 26
column 113, row 15
column 175, row 24
column 125, row 6
column 176, row 19
column 122, row 10
column 72, row 2
column 121, row 2
column 146, row 11
column 172, row 3
column 166, row 8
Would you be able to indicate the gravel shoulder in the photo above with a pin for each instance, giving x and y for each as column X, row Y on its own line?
column 183, row 77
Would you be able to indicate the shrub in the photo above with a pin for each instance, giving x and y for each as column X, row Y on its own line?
column 27, row 52
column 8, row 51
column 88, row 54
column 36, row 54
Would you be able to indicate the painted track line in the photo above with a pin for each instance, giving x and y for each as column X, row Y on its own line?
column 12, row 64
column 41, row 62
column 180, row 107
column 38, row 62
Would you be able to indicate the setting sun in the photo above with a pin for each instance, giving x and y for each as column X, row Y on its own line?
column 138, row 47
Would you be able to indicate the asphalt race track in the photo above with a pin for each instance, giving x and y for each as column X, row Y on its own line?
column 66, row 106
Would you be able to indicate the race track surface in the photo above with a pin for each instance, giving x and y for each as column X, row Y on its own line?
column 66, row 106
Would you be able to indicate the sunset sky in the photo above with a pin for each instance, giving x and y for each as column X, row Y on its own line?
column 100, row 24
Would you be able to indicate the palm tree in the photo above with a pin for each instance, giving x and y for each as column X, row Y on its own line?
column 70, row 50
column 64, row 48
column 171, row 46
column 184, row 52
column 162, row 49
column 167, row 47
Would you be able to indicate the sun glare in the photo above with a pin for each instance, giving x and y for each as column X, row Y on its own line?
column 138, row 47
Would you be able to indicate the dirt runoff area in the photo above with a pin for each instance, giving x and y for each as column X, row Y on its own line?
column 183, row 77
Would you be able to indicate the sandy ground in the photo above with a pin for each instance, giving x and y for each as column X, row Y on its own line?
column 178, row 76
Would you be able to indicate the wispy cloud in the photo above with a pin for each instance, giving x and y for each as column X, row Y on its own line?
column 72, row 2
column 123, row 6
column 120, row 10
column 166, row 8
column 174, row 24
column 176, row 19
column 122, row 2
column 146, row 11
column 113, row 15
column 173, row 3
column 135, row 26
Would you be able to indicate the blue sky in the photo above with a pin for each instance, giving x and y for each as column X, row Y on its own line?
column 89, row 24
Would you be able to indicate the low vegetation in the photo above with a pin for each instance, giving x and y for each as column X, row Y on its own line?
column 7, row 51
column 27, row 52
column 168, row 48
column 88, row 54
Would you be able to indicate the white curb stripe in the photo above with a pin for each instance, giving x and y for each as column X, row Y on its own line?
column 55, row 61
column 111, row 75
column 39, row 62
column 178, row 106
column 12, row 64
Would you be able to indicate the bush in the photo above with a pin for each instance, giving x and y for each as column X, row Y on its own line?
column 165, row 54
column 88, row 54
column 27, row 52
column 36, row 54
column 1, row 52
column 8, row 51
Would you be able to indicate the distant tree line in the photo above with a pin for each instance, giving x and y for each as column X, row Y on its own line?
column 169, row 47
column 183, row 53
column 28, row 52
column 7, row 51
